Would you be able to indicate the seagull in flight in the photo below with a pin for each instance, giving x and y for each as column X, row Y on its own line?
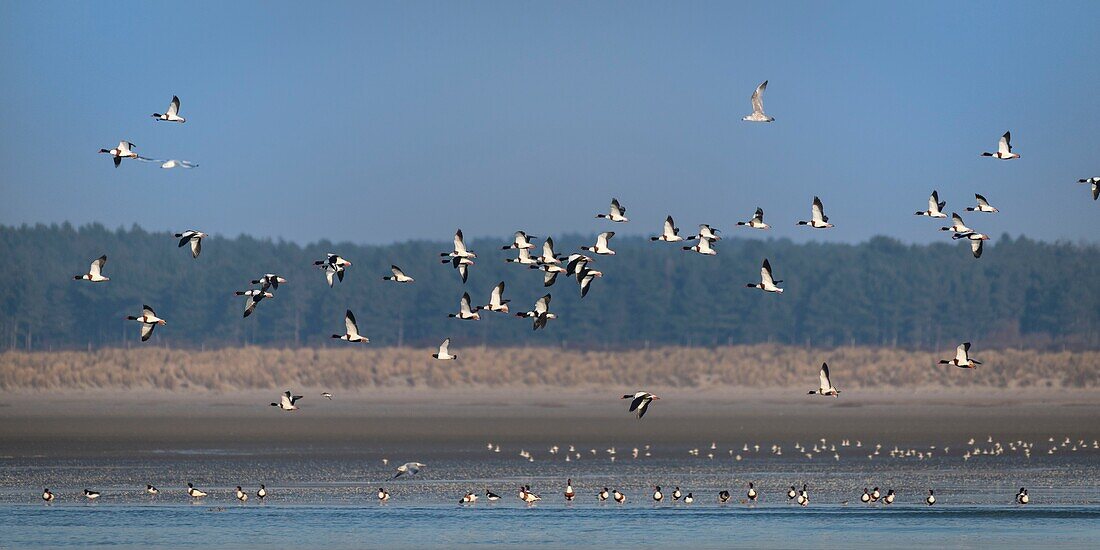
column 758, row 106
column 616, row 213
column 640, row 402
column 410, row 468
column 351, row 331
column 1004, row 149
column 123, row 151
column 94, row 273
column 194, row 238
column 287, row 401
column 173, row 112
column 175, row 163
column 825, row 386
column 148, row 320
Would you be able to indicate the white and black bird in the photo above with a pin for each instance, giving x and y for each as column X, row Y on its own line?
column 931, row 498
column 976, row 239
column 618, row 496
column 615, row 213
column 669, row 233
column 252, row 297
column 241, row 495
column 444, row 354
column 658, row 496
column 462, row 265
column 639, row 402
column 550, row 273
column 889, row 498
column 465, row 312
column 262, row 493
column 703, row 247
column 327, row 395
column 460, row 250
column 148, row 320
column 601, row 246
column 962, row 358
column 935, row 207
column 123, row 151
column 193, row 492
column 541, row 313
column 468, row 498
column 824, row 384
column 1004, row 149
column 194, row 238
column 548, row 257
column 151, row 490
column 90, row 494
column 398, row 276
column 706, row 232
column 569, row 493
column 351, row 330
column 758, row 105
column 173, row 112
column 866, row 496
column 676, row 494
column 496, row 300
column 757, row 221
column 1022, row 497
column 491, row 496
column 47, row 495
column 585, row 277
column 270, row 280
column 408, row 468
column 520, row 241
column 957, row 226
column 751, row 494
column 818, row 219
column 983, row 205
column 767, row 282
column 723, row 496
column 287, row 401
column 95, row 271
column 1095, row 186
column 383, row 494
column 523, row 257
column 333, row 265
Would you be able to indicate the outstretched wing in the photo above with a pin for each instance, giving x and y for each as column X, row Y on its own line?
column 174, row 107
column 349, row 324
column 758, row 98
column 823, row 377
column 766, row 274
column 97, row 266
column 147, row 331
column 1004, row 146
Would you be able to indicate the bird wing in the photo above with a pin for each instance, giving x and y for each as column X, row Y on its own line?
column 196, row 246
column 586, row 282
column 497, row 295
column 644, row 406
column 443, row 347
column 349, row 324
column 285, row 400
column 147, row 311
column 819, row 211
column 174, row 107
column 766, row 274
column 976, row 247
column 147, row 331
column 758, row 98
column 602, row 238
column 548, row 248
column 463, row 271
column 934, row 202
column 759, row 216
column 1005, row 146
column 97, row 265
column 616, row 209
column 460, row 245
column 329, row 272
column 823, row 377
column 960, row 352
column 981, row 200
column 542, row 305
column 397, row 271
column 464, row 304
column 549, row 277
column 639, row 398
column 670, row 227
column 960, row 227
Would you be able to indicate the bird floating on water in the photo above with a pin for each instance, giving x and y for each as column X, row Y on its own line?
column 193, row 492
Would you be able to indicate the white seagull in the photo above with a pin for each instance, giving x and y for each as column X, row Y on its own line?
column 935, row 207
column 173, row 112
column 1095, row 186
column 351, row 329
column 757, row 221
column 443, row 354
column 758, row 106
column 194, row 238
column 398, row 276
column 616, row 213
column 818, row 219
column 94, row 273
column 639, row 402
column 767, row 283
column 601, row 244
column 962, row 358
column 496, row 300
column 123, row 151
column 148, row 320
column 1004, row 149
column 983, row 205
column 253, row 297
column 824, row 384
column 670, row 233
column 410, row 468
column 287, row 401
column 465, row 313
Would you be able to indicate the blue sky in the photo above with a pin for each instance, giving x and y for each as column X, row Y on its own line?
column 382, row 122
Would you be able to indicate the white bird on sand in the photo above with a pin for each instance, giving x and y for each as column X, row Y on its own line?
column 173, row 112
column 496, row 300
column 148, row 320
column 935, row 207
column 983, row 205
column 615, row 213
column 758, row 106
column 193, row 492
column 962, row 358
column 95, row 271
column 601, row 244
column 521, row 241
column 818, row 219
column 175, row 163
column 703, row 247
column 757, row 221
column 669, row 233
column 287, row 401
column 123, row 151
column 89, row 494
column 464, row 311
column 194, row 238
column 270, row 280
column 1095, row 186
column 443, row 353
column 253, row 297
column 351, row 330
column 767, row 283
column 460, row 250
column 541, row 314
column 1004, row 149
column 824, row 384
column 398, row 276
column 410, row 468
column 957, row 225
column 639, row 402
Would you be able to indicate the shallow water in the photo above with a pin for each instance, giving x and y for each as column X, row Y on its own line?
column 326, row 498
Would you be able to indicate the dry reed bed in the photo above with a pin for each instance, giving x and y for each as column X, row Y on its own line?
column 761, row 365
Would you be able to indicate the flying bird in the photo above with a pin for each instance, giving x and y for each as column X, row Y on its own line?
column 957, row 225
column 818, row 219
column 825, row 385
column 670, row 233
column 521, row 241
column 174, row 163
column 253, row 297
column 443, row 354
column 767, row 283
column 522, row 258
column 601, row 246
column 541, row 314
column 496, row 300
column 1004, row 149
column 287, row 401
column 706, row 232
column 548, row 256
column 935, row 207
column 962, row 358
column 1095, row 186
column 194, row 238
column 398, row 276
column 94, row 273
column 550, row 273
column 465, row 313
column 462, row 265
column 173, row 112
column 327, row 395
column 976, row 239
column 703, row 248
column 640, row 402
column 460, row 250
column 351, row 330
column 123, row 151
column 758, row 106
column 615, row 213
column 585, row 278
column 410, row 468
column 270, row 280
column 332, row 265
column 757, row 221
column 983, row 205
column 148, row 320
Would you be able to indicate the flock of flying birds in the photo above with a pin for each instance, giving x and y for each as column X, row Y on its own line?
column 576, row 265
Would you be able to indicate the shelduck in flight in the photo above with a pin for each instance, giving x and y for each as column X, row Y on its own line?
column 287, row 401
column 443, row 354
column 615, row 213
column 123, row 151
column 818, row 219
column 962, row 358
column 95, row 271
column 465, row 313
column 194, row 238
column 601, row 246
column 148, row 320
column 983, row 205
column 767, row 283
column 824, row 384
column 935, row 207
column 1095, row 186
column 1004, row 149
column 639, row 402
column 351, row 330
column 496, row 300
column 757, row 221
column 670, row 233
column 173, row 112
column 398, row 276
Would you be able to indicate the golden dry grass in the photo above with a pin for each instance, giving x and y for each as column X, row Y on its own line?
column 762, row 365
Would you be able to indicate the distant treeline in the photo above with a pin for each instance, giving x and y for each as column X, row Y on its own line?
column 1021, row 293
column 754, row 366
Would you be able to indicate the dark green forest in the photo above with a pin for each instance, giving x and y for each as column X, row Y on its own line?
column 1021, row 293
